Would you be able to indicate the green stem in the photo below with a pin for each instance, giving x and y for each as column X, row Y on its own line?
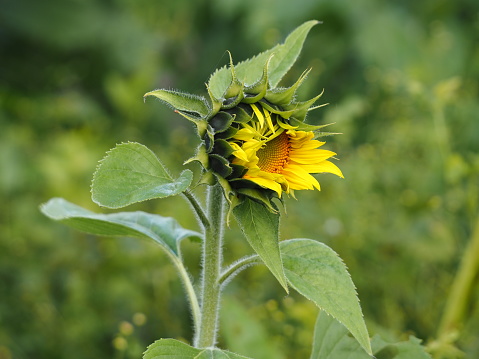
column 460, row 292
column 212, row 257
column 190, row 290
column 197, row 208
column 236, row 267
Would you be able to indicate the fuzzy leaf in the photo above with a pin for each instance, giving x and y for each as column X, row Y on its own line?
column 164, row 230
column 174, row 349
column 131, row 173
column 251, row 70
column 260, row 227
column 332, row 341
column 317, row 272
column 183, row 101
column 411, row 349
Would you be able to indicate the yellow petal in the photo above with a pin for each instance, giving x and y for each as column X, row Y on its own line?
column 286, row 126
column 258, row 114
column 298, row 178
column 266, row 183
column 245, row 134
column 331, row 168
column 310, row 157
column 239, row 152
column 268, row 120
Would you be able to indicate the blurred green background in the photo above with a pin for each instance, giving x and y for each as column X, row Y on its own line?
column 402, row 82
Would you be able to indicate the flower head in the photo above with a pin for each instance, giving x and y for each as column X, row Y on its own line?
column 254, row 139
column 277, row 156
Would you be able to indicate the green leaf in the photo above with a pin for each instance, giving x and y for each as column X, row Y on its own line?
column 164, row 230
column 260, row 227
column 411, row 349
column 317, row 272
column 171, row 349
column 131, row 173
column 185, row 102
column 331, row 340
column 174, row 349
column 251, row 70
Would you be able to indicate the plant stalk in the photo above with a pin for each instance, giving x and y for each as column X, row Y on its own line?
column 190, row 291
column 460, row 293
column 212, row 258
column 236, row 267
column 197, row 208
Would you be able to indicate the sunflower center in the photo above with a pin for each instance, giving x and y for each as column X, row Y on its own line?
column 274, row 155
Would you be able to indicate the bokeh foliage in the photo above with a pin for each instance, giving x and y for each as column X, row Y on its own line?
column 402, row 83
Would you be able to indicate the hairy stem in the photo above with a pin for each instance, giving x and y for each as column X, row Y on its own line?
column 460, row 293
column 212, row 257
column 236, row 267
column 190, row 291
column 197, row 208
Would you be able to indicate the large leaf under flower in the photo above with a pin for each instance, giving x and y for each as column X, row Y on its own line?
column 317, row 272
column 260, row 227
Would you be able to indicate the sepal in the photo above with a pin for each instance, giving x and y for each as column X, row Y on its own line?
column 234, row 93
column 220, row 165
column 192, row 106
column 201, row 156
column 284, row 96
column 261, row 196
column 209, row 139
column 243, row 113
column 274, row 109
column 300, row 109
column 223, row 148
column 221, row 121
column 215, row 103
column 230, row 132
column 301, row 126
column 258, row 90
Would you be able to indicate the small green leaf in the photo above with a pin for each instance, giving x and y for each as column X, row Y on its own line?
column 317, row 272
column 174, row 349
column 131, row 173
column 260, row 227
column 164, row 230
column 185, row 102
column 251, row 70
column 170, row 349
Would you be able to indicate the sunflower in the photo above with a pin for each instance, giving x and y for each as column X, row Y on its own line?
column 254, row 139
column 277, row 156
